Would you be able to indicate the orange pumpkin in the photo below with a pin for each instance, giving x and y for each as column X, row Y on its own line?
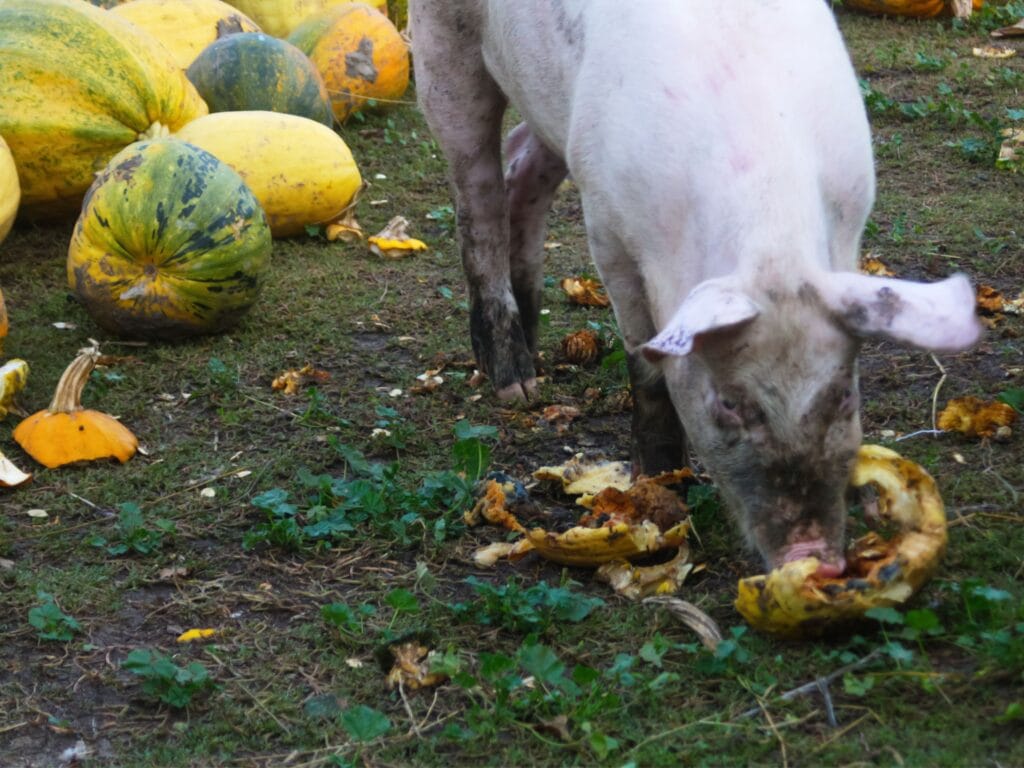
column 921, row 9
column 359, row 53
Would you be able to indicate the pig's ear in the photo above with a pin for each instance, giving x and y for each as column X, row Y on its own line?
column 711, row 306
column 934, row 316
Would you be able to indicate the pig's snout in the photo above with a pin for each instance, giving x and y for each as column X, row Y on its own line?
column 831, row 564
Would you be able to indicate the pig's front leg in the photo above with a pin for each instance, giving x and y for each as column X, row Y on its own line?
column 464, row 107
column 657, row 440
column 532, row 178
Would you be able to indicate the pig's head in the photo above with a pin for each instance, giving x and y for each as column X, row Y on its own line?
column 765, row 382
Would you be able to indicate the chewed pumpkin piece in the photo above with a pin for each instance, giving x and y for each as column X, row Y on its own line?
column 585, row 292
column 491, row 505
column 636, row 582
column 393, row 241
column 582, row 546
column 291, row 381
column 579, row 476
column 975, row 417
column 10, row 474
column 794, row 600
column 13, row 377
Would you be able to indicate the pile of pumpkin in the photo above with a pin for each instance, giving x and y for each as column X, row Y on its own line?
column 186, row 134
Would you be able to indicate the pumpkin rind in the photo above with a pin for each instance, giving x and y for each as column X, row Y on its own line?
column 253, row 71
column 185, row 27
column 170, row 243
column 79, row 84
column 10, row 191
column 301, row 172
column 359, row 53
column 280, row 17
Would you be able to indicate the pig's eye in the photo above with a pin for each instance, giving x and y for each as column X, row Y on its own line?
column 727, row 413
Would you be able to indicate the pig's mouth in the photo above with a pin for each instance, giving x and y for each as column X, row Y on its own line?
column 831, row 565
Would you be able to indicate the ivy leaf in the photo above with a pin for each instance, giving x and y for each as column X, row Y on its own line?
column 365, row 723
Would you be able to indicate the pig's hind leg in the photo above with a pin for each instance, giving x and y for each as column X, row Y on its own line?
column 531, row 180
column 464, row 108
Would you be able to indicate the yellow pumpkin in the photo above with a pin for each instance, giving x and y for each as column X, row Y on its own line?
column 280, row 17
column 78, row 85
column 359, row 53
column 185, row 27
column 300, row 171
column 10, row 192
column 921, row 9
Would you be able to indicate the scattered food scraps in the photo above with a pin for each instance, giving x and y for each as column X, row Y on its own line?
column 412, row 667
column 190, row 636
column 579, row 476
column 869, row 265
column 291, row 381
column 585, row 292
column 1014, row 30
column 10, row 475
column 636, row 582
column 13, row 377
column 993, row 52
column 581, row 347
column 975, row 417
column 346, row 229
column 393, row 241
column 1010, row 150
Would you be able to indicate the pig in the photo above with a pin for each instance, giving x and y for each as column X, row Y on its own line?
column 724, row 165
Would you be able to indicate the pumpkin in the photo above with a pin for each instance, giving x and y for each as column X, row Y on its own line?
column 360, row 54
column 79, row 84
column 921, row 9
column 301, row 172
column 66, row 432
column 4, row 325
column 185, row 27
column 10, row 192
column 280, row 17
column 170, row 243
column 255, row 71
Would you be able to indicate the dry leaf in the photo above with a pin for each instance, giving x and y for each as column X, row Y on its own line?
column 693, row 617
column 581, row 348
column 585, row 292
column 1016, row 30
column 975, row 417
column 869, row 265
column 393, row 241
column 560, row 416
column 989, row 299
column 993, row 52
column 557, row 726
column 412, row 667
column 290, row 382
column 172, row 572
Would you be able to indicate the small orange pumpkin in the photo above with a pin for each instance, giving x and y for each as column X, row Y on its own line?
column 360, row 54
column 920, row 9
column 66, row 432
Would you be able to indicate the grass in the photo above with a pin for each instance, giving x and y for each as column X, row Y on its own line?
column 310, row 543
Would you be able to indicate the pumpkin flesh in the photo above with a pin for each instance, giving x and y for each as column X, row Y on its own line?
column 10, row 191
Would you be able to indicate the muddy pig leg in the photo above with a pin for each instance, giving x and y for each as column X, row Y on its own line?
column 532, row 177
column 464, row 107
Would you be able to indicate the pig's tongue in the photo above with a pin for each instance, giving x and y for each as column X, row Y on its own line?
column 815, row 548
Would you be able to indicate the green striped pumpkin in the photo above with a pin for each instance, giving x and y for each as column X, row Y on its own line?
column 253, row 71
column 170, row 243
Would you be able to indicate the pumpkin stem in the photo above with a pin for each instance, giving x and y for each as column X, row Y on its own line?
column 68, row 396
column 156, row 131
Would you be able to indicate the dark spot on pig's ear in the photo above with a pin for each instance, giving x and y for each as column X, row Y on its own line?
column 888, row 306
column 855, row 315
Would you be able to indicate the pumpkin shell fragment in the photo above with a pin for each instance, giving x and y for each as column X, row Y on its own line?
column 792, row 600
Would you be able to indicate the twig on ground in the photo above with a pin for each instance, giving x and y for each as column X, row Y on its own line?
column 819, row 684
column 935, row 393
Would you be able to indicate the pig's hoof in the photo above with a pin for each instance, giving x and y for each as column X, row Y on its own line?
column 520, row 390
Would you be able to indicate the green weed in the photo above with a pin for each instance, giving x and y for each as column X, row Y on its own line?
column 133, row 534
column 50, row 622
column 164, row 680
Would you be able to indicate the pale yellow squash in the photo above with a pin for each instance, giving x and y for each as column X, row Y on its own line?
column 301, row 172
column 280, row 17
column 10, row 190
column 77, row 85
column 185, row 27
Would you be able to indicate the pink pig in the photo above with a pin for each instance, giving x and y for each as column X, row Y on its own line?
column 724, row 162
